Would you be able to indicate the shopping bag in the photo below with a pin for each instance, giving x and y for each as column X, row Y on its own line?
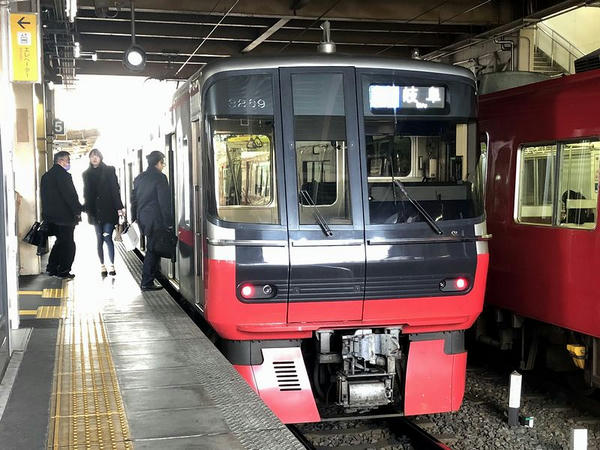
column 129, row 236
column 34, row 235
column 164, row 243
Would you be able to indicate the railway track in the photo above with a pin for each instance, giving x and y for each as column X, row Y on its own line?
column 388, row 433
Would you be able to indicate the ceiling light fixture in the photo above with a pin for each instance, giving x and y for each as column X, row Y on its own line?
column 135, row 56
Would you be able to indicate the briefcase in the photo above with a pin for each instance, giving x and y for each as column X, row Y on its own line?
column 164, row 243
column 129, row 236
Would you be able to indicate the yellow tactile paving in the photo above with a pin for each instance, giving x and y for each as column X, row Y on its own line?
column 87, row 408
column 45, row 293
column 52, row 293
column 45, row 312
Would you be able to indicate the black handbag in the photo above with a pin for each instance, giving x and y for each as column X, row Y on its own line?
column 34, row 235
column 164, row 243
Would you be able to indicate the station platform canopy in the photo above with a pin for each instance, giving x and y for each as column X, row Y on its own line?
column 180, row 37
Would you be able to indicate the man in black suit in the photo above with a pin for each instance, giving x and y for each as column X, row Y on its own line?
column 151, row 207
column 61, row 210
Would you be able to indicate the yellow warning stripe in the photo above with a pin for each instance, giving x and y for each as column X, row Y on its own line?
column 45, row 312
column 87, row 408
column 52, row 293
column 45, row 293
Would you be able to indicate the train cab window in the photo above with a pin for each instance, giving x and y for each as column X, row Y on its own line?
column 240, row 128
column 244, row 175
column 535, row 202
column 321, row 149
column 387, row 156
column 578, row 184
column 428, row 157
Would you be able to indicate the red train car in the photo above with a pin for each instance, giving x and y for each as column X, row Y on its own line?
column 543, row 142
column 328, row 231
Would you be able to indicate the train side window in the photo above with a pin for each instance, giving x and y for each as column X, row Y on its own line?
column 535, row 198
column 578, row 184
column 321, row 153
column 244, row 172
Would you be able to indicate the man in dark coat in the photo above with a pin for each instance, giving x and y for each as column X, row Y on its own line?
column 61, row 210
column 151, row 207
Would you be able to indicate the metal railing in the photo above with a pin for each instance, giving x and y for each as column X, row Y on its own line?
column 560, row 51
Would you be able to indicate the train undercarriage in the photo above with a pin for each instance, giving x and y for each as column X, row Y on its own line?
column 537, row 344
column 358, row 370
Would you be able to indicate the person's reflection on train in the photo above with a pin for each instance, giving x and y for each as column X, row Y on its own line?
column 151, row 207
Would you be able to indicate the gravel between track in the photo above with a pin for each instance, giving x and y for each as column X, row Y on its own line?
column 481, row 422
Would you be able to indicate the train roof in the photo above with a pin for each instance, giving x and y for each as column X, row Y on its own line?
column 328, row 60
column 559, row 83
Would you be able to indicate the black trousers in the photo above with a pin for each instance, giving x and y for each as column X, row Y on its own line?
column 151, row 264
column 63, row 252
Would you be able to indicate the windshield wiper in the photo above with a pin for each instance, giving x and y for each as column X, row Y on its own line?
column 318, row 217
column 419, row 208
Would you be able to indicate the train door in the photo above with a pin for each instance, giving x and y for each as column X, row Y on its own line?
column 325, row 219
column 197, row 216
column 172, row 176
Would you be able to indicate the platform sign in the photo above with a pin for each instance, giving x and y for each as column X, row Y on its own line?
column 24, row 46
column 59, row 126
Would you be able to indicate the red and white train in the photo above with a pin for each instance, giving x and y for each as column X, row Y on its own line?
column 543, row 146
column 328, row 231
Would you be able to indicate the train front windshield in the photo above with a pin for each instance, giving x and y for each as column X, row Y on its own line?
column 414, row 140
column 429, row 158
column 415, row 150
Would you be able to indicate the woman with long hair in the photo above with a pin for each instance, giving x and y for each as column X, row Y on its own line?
column 103, row 205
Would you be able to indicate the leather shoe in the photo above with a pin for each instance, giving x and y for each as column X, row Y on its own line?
column 65, row 276
column 151, row 287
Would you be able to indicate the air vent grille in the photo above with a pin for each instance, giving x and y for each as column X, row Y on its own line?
column 287, row 375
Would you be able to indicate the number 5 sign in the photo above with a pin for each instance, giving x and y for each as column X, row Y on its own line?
column 59, row 127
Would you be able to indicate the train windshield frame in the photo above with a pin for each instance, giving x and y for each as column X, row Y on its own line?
column 432, row 152
column 425, row 139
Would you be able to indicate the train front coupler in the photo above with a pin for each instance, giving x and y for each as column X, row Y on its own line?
column 368, row 366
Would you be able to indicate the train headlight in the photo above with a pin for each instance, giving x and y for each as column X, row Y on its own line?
column 247, row 291
column 135, row 58
column 459, row 284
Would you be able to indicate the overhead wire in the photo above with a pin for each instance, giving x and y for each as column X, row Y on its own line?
column 440, row 22
column 209, row 34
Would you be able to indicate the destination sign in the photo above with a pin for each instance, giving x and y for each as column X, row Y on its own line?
column 382, row 97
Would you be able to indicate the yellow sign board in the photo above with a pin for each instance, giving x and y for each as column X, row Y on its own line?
column 25, row 54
